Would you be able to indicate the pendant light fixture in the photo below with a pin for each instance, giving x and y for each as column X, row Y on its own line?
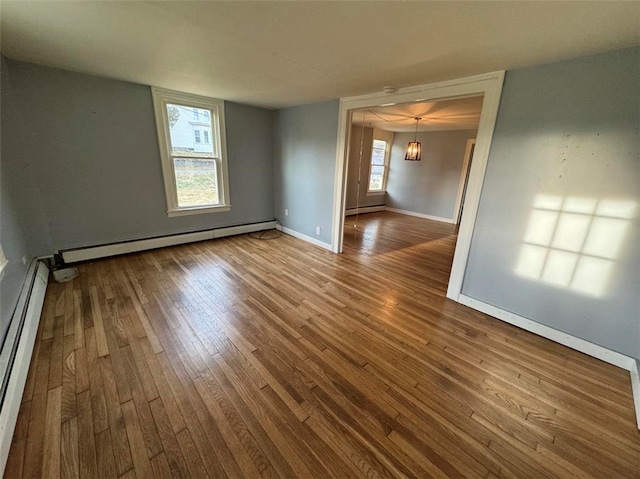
column 414, row 149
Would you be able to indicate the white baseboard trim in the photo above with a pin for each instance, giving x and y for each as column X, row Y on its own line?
column 573, row 342
column 304, row 237
column 420, row 215
column 95, row 252
column 364, row 209
column 635, row 387
column 15, row 356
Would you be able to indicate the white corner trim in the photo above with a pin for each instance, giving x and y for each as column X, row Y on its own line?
column 95, row 252
column 364, row 209
column 420, row 215
column 573, row 342
column 30, row 303
column 304, row 237
column 635, row 387
column 464, row 175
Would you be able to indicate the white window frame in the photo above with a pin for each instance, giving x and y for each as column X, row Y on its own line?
column 161, row 97
column 387, row 153
column 3, row 262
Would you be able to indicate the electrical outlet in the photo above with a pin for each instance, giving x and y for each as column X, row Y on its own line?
column 24, row 259
column 286, row 212
column 318, row 230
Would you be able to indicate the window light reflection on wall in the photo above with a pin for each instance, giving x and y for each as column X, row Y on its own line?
column 573, row 242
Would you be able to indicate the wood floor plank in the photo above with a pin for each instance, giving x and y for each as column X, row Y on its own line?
column 101, row 339
column 141, row 462
column 241, row 357
column 16, row 458
column 86, row 440
column 69, row 467
column 52, row 433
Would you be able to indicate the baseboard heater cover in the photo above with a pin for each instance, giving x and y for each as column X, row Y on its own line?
column 364, row 209
column 133, row 246
column 17, row 348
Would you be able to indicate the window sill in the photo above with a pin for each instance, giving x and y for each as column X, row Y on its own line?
column 376, row 193
column 198, row 210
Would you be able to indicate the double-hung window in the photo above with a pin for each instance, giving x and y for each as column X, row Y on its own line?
column 191, row 136
column 378, row 167
column 3, row 262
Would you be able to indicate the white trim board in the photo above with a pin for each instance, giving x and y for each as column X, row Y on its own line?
column 464, row 175
column 420, row 215
column 635, row 387
column 95, row 252
column 573, row 342
column 30, row 304
column 364, row 209
column 304, row 237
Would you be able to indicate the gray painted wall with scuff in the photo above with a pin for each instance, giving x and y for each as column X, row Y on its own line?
column 12, row 234
column 567, row 134
column 88, row 168
column 305, row 139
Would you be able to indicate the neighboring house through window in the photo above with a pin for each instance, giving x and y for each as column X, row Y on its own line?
column 193, row 152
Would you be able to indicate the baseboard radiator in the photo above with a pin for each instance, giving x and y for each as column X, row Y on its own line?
column 132, row 246
column 15, row 355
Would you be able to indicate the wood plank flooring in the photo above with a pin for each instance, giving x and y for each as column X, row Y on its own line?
column 245, row 358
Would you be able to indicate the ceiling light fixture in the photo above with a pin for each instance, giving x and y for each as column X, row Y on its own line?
column 414, row 149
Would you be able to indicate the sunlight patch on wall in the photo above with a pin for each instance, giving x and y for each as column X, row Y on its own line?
column 573, row 242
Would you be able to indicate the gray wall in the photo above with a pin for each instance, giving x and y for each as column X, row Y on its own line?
column 566, row 130
column 90, row 166
column 304, row 150
column 354, row 200
column 429, row 186
column 12, row 236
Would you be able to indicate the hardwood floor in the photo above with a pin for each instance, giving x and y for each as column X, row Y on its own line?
column 245, row 358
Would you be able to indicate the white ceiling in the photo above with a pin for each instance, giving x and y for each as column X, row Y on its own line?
column 277, row 54
column 457, row 114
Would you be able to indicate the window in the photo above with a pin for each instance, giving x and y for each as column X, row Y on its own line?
column 378, row 167
column 194, row 161
column 3, row 262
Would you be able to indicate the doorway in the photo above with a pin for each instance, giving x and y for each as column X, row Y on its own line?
column 488, row 85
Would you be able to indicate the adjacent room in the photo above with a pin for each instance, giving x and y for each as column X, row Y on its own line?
column 387, row 191
column 320, row 239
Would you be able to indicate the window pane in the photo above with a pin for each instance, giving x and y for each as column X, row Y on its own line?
column 380, row 144
column 377, row 157
column 196, row 181
column 377, row 170
column 190, row 131
column 376, row 178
